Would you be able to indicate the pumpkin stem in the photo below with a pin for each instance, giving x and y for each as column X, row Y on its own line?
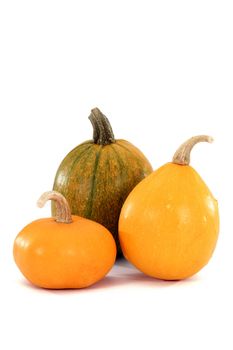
column 63, row 213
column 102, row 130
column 182, row 155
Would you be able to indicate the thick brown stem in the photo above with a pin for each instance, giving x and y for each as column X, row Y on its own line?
column 102, row 130
column 182, row 155
column 63, row 213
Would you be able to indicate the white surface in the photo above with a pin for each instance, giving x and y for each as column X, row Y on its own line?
column 161, row 71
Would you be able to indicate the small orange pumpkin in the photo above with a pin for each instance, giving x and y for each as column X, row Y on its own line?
column 66, row 252
column 169, row 223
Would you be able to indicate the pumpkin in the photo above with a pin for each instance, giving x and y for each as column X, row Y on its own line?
column 97, row 176
column 169, row 223
column 66, row 252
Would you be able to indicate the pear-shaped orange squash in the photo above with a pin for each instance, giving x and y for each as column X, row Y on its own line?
column 169, row 223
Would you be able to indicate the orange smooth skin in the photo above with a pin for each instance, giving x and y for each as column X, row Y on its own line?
column 169, row 223
column 58, row 255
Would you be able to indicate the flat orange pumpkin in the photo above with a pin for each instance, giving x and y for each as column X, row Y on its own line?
column 169, row 223
column 66, row 252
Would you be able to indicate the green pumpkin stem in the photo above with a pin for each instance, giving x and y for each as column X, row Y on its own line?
column 182, row 155
column 63, row 213
column 102, row 130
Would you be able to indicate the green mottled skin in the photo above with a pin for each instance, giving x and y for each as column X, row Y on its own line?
column 96, row 179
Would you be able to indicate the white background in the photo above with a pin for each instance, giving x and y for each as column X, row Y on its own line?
column 161, row 71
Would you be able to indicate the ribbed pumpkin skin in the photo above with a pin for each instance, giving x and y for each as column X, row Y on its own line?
column 96, row 179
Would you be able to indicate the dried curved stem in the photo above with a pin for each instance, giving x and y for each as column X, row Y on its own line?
column 102, row 130
column 182, row 155
column 62, row 207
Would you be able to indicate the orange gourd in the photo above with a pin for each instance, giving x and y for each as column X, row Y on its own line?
column 66, row 252
column 169, row 223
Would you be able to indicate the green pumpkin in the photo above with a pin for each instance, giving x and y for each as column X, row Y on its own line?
column 97, row 176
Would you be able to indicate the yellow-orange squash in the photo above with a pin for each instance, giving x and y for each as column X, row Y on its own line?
column 69, row 252
column 169, row 223
column 97, row 175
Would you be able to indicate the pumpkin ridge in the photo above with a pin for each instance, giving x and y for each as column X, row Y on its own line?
column 75, row 162
column 80, row 164
column 89, row 206
column 119, row 159
column 139, row 163
column 77, row 159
